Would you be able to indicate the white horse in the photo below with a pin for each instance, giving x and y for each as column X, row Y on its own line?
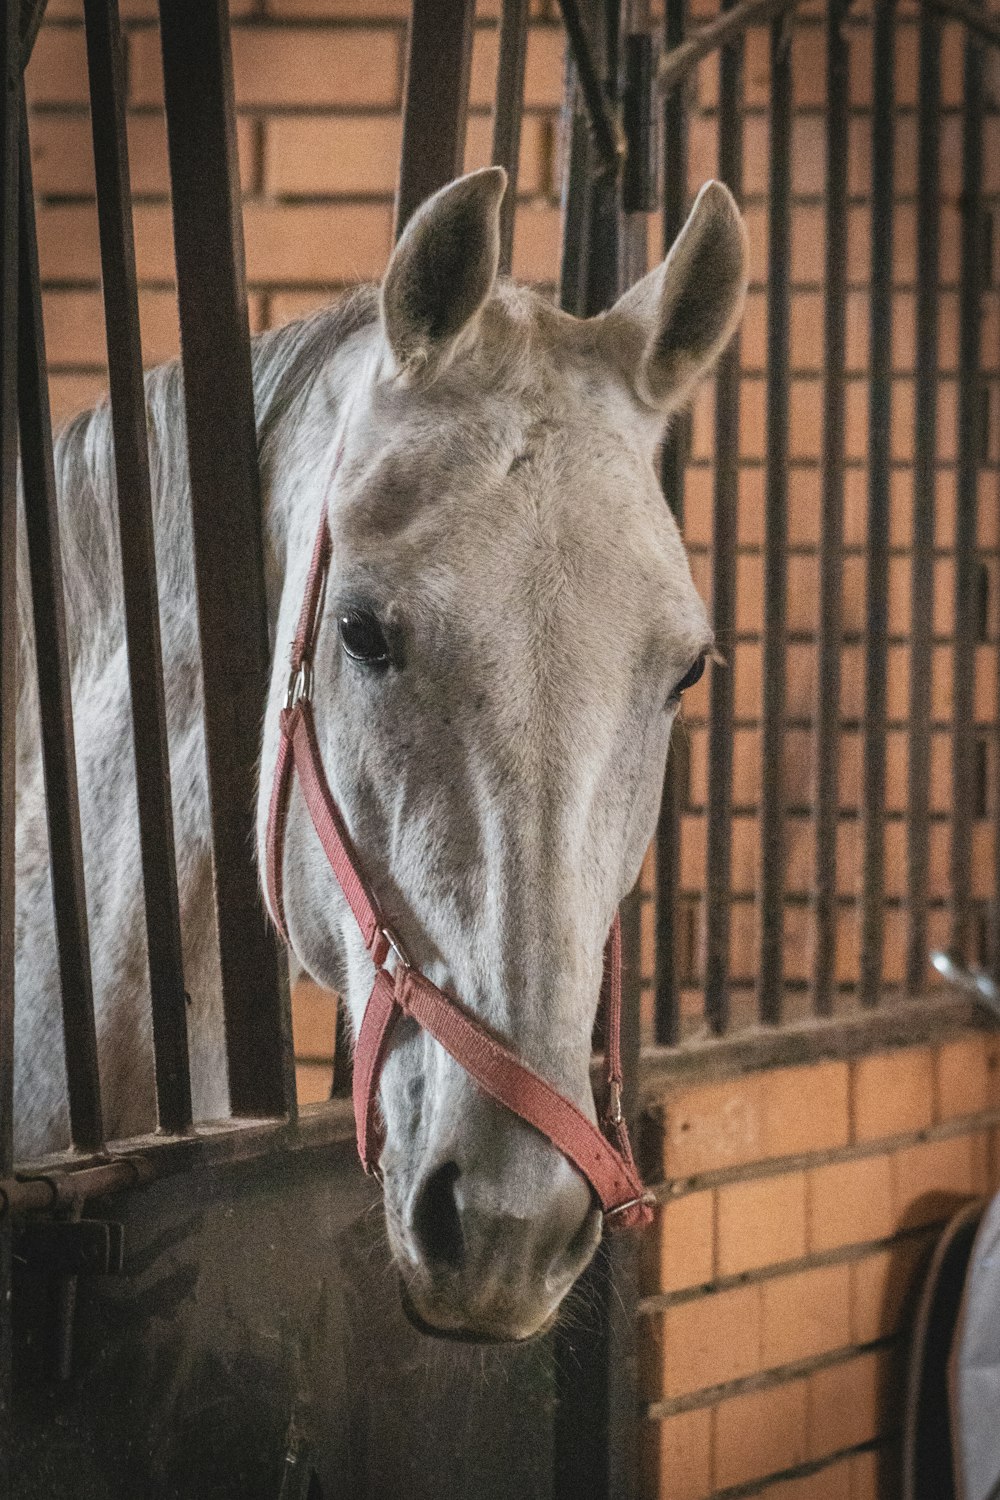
column 509, row 622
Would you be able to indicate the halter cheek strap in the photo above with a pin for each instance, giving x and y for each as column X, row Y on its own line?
column 603, row 1156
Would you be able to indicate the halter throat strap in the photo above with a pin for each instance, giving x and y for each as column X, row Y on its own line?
column 602, row 1155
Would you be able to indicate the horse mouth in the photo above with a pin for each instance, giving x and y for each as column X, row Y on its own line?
column 466, row 1334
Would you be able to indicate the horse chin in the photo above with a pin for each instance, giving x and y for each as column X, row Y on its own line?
column 465, row 1333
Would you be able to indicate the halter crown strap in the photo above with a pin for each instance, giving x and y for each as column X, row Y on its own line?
column 603, row 1157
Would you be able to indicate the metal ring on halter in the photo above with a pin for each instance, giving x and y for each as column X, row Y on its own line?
column 649, row 1199
column 300, row 686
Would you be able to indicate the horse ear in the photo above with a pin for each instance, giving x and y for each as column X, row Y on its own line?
column 441, row 272
column 668, row 330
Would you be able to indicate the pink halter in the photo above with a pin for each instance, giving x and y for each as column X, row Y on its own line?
column 603, row 1157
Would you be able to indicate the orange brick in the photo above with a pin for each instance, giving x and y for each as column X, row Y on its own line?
column 759, row 1434
column 57, row 72
column 68, row 243
column 536, row 165
column 317, row 243
column 312, row 1082
column 74, row 328
column 843, row 1406
column 332, row 154
column 314, row 1022
column 711, row 1340
column 893, row 1093
column 831, row 1483
column 806, row 1109
column 714, row 1126
column 964, row 1082
column 931, row 1180
column 536, row 243
column 882, row 1288
column 676, row 1456
column 866, row 1477
column 805, row 1315
column 62, row 157
column 677, row 1253
column 70, row 394
column 761, row 1222
column 349, row 66
column 285, row 307
column 850, row 1202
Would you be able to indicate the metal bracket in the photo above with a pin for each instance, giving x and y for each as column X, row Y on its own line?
column 62, row 1247
column 64, row 1250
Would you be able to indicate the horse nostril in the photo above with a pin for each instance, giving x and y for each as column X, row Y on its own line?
column 437, row 1225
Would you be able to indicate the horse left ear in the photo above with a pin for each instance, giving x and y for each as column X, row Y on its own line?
column 669, row 329
column 442, row 272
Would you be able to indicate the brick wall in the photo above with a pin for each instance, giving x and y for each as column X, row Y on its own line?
column 800, row 1209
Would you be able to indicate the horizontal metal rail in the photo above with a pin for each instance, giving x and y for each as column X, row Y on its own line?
column 146, row 1159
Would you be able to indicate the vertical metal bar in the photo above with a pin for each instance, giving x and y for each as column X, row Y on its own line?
column 228, row 533
column 69, row 897
column 439, row 61
column 828, row 646
column 969, row 459
column 770, row 983
column 105, row 56
column 507, row 115
column 879, row 455
column 672, row 465
column 575, row 198
column 10, row 125
column 924, row 481
column 718, row 894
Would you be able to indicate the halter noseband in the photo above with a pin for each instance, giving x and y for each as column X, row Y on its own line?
column 602, row 1156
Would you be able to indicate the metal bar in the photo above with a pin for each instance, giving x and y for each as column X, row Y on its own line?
column 10, row 125
column 605, row 128
column 638, row 118
column 667, row 1019
column 575, row 198
column 69, row 898
column 508, row 112
column 32, row 14
column 436, row 101
column 983, row 25
column 105, row 56
column 228, row 539
column 879, row 457
column 966, row 504
column 924, row 483
column 724, row 524
column 770, row 982
column 829, row 635
column 681, row 57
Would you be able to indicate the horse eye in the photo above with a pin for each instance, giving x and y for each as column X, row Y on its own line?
column 362, row 638
column 694, row 674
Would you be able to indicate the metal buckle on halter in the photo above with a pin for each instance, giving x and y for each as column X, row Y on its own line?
column 300, row 685
column 647, row 1198
column 614, row 1114
column 395, row 946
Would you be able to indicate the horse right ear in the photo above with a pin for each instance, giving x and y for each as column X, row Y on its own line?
column 441, row 273
column 669, row 329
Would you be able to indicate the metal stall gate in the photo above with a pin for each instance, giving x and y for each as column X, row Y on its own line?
column 204, row 1312
column 201, row 1312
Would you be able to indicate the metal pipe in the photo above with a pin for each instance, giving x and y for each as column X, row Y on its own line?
column 770, row 981
column 681, row 57
column 718, row 886
column 62, row 799
column 226, row 514
column 966, row 514
column 605, row 128
column 508, row 114
column 826, row 803
column 924, row 483
column 667, row 1020
column 879, row 459
column 105, row 59
column 435, row 101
